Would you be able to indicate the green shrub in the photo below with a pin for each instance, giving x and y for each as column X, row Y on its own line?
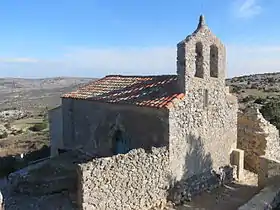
column 271, row 112
column 248, row 98
column 260, row 101
column 38, row 127
column 235, row 89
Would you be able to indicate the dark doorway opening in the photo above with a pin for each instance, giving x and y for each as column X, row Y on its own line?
column 119, row 143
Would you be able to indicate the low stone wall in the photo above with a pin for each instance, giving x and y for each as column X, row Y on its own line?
column 50, row 184
column 268, row 179
column 11, row 163
column 257, row 137
column 267, row 199
column 269, row 171
column 136, row 180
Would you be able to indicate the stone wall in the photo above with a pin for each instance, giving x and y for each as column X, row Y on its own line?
column 202, row 139
column 267, row 199
column 136, row 180
column 50, row 184
column 257, row 137
column 55, row 122
column 269, row 171
column 91, row 126
column 202, row 126
column 268, row 181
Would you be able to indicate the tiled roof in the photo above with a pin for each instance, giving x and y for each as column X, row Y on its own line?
column 151, row 91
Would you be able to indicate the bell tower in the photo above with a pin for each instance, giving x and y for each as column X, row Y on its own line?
column 201, row 57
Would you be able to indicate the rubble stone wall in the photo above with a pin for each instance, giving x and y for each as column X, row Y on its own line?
column 257, row 137
column 203, row 125
column 136, row 180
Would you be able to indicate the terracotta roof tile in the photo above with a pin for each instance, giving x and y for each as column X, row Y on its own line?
column 151, row 91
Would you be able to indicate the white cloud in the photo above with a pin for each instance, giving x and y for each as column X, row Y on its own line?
column 18, row 60
column 252, row 59
column 138, row 61
column 247, row 8
column 127, row 60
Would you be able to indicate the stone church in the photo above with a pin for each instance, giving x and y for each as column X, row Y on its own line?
column 191, row 113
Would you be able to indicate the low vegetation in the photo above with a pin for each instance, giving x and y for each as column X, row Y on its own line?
column 38, row 127
column 262, row 90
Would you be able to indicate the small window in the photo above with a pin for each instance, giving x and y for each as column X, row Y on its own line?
column 199, row 60
column 214, row 61
column 205, row 98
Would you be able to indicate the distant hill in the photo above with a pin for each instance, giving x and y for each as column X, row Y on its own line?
column 261, row 90
column 36, row 94
column 264, row 87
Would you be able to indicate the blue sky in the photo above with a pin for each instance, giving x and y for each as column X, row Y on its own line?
column 92, row 38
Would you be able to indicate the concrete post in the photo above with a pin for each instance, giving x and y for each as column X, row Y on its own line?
column 238, row 160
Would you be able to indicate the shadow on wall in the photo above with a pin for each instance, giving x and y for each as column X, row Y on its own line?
column 9, row 164
column 198, row 173
column 197, row 161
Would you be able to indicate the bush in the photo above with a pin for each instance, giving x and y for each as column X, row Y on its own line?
column 260, row 101
column 38, row 127
column 248, row 99
column 235, row 89
column 3, row 135
column 271, row 112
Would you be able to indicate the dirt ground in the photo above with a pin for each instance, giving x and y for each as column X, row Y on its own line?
column 22, row 143
column 25, row 142
column 229, row 197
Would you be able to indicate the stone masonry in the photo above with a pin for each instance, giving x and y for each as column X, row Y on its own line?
column 91, row 126
column 136, row 180
column 257, row 137
column 203, row 125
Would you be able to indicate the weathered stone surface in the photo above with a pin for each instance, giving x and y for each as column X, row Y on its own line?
column 55, row 123
column 42, row 179
column 269, row 171
column 137, row 180
column 257, row 137
column 267, row 199
column 202, row 126
column 91, row 126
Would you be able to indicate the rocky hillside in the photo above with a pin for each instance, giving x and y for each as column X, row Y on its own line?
column 35, row 94
column 261, row 90
column 23, row 111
